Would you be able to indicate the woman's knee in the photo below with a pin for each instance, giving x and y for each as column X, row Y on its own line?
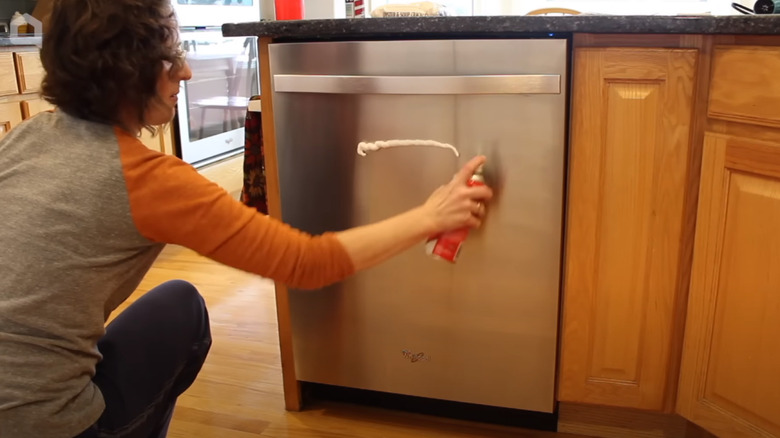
column 189, row 306
column 181, row 291
column 186, row 298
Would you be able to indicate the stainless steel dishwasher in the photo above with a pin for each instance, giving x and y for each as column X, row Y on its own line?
column 483, row 330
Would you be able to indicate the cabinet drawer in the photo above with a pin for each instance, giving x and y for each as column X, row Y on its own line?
column 29, row 71
column 7, row 74
column 744, row 87
column 34, row 106
column 10, row 116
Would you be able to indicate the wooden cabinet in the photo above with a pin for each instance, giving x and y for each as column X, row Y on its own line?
column 627, row 299
column 32, row 107
column 7, row 74
column 10, row 116
column 739, row 96
column 729, row 380
column 21, row 74
column 152, row 141
column 162, row 141
column 730, row 372
column 623, row 295
column 29, row 71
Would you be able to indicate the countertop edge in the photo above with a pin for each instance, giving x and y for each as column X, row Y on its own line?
column 506, row 25
column 8, row 41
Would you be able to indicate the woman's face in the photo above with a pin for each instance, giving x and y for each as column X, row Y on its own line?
column 162, row 109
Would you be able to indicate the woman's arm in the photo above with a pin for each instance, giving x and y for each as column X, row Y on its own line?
column 171, row 202
column 451, row 206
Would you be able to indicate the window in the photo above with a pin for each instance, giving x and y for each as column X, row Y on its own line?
column 454, row 7
column 613, row 7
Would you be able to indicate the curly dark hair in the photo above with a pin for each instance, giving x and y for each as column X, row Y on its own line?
column 100, row 55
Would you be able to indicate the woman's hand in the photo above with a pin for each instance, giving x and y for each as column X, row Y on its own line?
column 451, row 206
column 456, row 205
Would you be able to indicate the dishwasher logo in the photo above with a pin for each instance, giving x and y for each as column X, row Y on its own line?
column 414, row 357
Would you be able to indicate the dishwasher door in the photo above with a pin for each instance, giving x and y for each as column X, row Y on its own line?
column 483, row 330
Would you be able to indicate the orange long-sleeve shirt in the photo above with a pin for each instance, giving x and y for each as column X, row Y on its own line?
column 171, row 202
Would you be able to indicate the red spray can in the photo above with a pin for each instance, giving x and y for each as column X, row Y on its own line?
column 446, row 246
column 289, row 9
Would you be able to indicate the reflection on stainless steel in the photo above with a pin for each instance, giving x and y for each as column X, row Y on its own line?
column 483, row 330
column 475, row 84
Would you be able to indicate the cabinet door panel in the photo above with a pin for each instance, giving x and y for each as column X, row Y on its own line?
column 749, row 98
column 631, row 120
column 7, row 74
column 34, row 106
column 10, row 116
column 730, row 375
column 153, row 142
column 29, row 71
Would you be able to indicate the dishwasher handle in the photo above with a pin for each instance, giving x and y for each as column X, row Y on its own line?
column 468, row 84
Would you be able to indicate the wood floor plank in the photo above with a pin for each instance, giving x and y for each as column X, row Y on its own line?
column 233, row 423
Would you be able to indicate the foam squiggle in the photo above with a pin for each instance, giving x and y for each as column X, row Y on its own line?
column 364, row 147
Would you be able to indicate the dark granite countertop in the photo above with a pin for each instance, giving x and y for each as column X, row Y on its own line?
column 405, row 27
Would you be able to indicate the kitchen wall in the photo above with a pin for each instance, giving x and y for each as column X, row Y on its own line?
column 8, row 7
column 325, row 9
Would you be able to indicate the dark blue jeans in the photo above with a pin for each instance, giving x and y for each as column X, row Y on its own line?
column 152, row 353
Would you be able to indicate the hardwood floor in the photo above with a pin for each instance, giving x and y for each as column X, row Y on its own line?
column 238, row 393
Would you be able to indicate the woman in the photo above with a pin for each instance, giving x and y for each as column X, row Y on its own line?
column 86, row 208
